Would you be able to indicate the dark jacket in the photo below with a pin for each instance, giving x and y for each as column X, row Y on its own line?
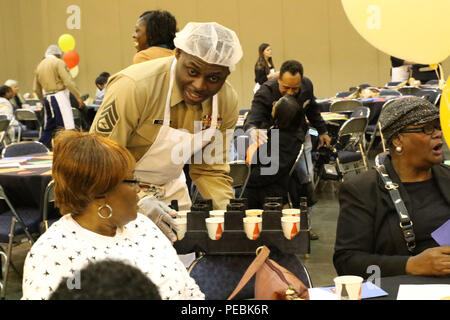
column 368, row 231
column 260, row 75
column 260, row 113
column 261, row 185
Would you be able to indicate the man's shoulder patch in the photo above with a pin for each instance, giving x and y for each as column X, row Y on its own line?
column 108, row 118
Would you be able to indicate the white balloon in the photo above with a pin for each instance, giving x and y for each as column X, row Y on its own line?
column 413, row 30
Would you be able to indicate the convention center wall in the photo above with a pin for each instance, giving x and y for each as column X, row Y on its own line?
column 317, row 33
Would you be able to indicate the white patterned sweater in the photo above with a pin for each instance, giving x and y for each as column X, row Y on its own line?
column 66, row 247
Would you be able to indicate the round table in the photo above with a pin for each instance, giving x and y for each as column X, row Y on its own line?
column 25, row 178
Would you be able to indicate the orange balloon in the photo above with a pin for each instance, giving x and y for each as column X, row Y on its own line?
column 71, row 58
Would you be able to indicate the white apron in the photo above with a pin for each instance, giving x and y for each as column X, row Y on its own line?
column 65, row 108
column 160, row 166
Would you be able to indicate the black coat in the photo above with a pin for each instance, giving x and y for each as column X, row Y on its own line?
column 262, row 185
column 368, row 231
column 260, row 113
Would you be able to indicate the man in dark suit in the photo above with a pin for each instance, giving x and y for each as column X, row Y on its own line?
column 290, row 81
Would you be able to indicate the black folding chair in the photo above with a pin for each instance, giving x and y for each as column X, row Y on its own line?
column 433, row 96
column 408, row 91
column 24, row 148
column 15, row 222
column 345, row 105
column 349, row 147
column 49, row 216
column 4, row 126
column 386, row 93
column 28, row 117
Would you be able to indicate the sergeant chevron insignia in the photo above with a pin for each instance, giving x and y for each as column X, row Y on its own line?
column 108, row 118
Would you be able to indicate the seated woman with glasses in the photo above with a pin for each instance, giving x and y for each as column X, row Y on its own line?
column 96, row 192
column 370, row 231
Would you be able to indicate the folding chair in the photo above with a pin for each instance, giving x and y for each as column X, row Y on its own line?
column 291, row 172
column 49, row 198
column 240, row 172
column 4, row 126
column 385, row 93
column 432, row 96
column 15, row 222
column 361, row 112
column 349, row 148
column 24, row 148
column 408, row 91
column 345, row 105
column 24, row 116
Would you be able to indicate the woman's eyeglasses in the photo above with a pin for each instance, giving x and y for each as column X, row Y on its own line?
column 132, row 181
column 428, row 129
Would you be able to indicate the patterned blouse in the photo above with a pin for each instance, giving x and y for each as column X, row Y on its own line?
column 66, row 247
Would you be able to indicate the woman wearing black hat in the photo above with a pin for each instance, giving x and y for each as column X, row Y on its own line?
column 370, row 230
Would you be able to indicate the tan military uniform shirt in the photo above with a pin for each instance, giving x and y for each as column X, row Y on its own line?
column 52, row 75
column 132, row 113
column 152, row 53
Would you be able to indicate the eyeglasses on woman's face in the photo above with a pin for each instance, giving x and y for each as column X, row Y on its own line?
column 428, row 129
column 134, row 182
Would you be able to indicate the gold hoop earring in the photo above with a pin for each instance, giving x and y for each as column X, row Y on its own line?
column 105, row 206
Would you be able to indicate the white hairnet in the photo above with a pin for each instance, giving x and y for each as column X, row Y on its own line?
column 53, row 50
column 11, row 82
column 211, row 42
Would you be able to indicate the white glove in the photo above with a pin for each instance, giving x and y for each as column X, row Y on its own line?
column 161, row 215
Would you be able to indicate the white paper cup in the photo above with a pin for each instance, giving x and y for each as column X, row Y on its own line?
column 348, row 287
column 290, row 226
column 217, row 213
column 291, row 212
column 181, row 227
column 182, row 214
column 254, row 213
column 252, row 227
column 215, row 227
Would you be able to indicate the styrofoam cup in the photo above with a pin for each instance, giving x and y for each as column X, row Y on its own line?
column 254, row 212
column 291, row 212
column 252, row 227
column 290, row 226
column 215, row 227
column 348, row 287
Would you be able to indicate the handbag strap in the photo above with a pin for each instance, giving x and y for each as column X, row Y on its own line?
column 405, row 222
column 262, row 253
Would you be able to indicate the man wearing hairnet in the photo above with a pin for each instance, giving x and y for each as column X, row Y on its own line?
column 170, row 111
column 53, row 84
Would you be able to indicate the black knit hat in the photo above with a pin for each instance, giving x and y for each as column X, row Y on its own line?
column 404, row 112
